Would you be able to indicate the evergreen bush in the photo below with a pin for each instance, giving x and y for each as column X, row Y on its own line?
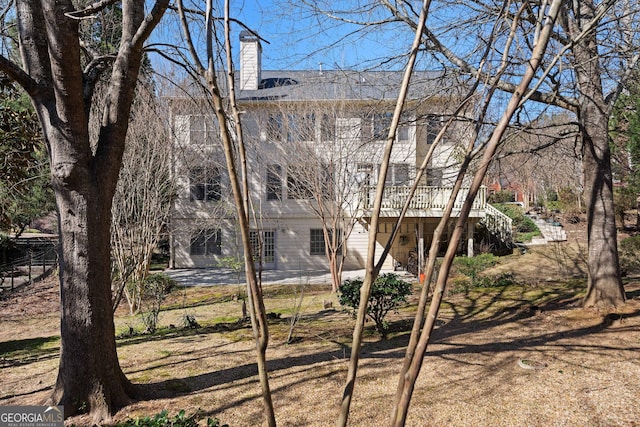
column 388, row 292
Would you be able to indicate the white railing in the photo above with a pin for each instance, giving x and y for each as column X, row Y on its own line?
column 433, row 200
column 499, row 224
column 425, row 197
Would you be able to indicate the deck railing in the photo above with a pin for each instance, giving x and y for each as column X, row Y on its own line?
column 498, row 224
column 425, row 197
column 431, row 201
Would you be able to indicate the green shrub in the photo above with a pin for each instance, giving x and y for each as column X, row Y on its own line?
column 163, row 419
column 501, row 196
column 388, row 292
column 523, row 226
column 472, row 266
column 629, row 252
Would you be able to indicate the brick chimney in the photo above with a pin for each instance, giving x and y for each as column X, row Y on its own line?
column 250, row 61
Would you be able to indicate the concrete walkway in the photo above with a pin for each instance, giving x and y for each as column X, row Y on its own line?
column 221, row 276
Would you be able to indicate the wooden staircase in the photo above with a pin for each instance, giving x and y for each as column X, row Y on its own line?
column 498, row 225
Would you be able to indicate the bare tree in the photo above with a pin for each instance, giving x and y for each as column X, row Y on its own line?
column 372, row 270
column 326, row 176
column 417, row 347
column 540, row 158
column 423, row 326
column 235, row 153
column 142, row 202
column 593, row 41
column 59, row 73
column 589, row 61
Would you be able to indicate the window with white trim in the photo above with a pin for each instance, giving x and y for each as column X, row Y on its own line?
column 203, row 129
column 316, row 242
column 206, row 242
column 205, row 184
column 398, row 174
column 274, row 182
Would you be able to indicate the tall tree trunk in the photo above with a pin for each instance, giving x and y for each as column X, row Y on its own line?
column 604, row 282
column 89, row 376
column 235, row 159
column 372, row 268
column 418, row 343
column 84, row 175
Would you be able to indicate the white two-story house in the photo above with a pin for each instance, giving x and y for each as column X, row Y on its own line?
column 315, row 142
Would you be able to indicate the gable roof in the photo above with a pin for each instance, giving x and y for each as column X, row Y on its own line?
column 334, row 86
column 348, row 85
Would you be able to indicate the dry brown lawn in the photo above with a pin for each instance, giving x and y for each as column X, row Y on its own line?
column 473, row 374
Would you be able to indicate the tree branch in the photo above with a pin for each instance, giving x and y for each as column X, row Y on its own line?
column 149, row 23
column 91, row 10
column 433, row 41
column 17, row 74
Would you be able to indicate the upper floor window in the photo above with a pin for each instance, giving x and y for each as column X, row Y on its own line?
column 274, row 127
column 301, row 127
column 203, row 130
column 206, row 242
column 274, row 182
column 434, row 124
column 434, row 177
column 381, row 125
column 205, row 184
column 299, row 186
column 349, row 128
column 328, row 128
column 403, row 133
column 398, row 174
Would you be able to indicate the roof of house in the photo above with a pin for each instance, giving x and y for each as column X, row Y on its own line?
column 343, row 85
column 347, row 85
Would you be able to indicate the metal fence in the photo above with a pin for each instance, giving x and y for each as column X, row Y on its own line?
column 27, row 268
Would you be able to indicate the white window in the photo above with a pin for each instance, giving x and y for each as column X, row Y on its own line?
column 434, row 124
column 205, row 184
column 398, row 174
column 348, row 129
column 274, row 127
column 274, row 182
column 381, row 125
column 301, row 127
column 328, row 128
column 206, row 242
column 298, row 183
column 317, row 244
column 263, row 247
column 316, row 241
column 203, row 130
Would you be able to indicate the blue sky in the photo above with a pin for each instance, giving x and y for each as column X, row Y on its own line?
column 299, row 40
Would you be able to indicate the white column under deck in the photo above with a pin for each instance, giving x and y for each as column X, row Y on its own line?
column 470, row 229
column 420, row 246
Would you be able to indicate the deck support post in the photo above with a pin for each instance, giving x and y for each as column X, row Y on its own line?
column 420, row 246
column 470, row 230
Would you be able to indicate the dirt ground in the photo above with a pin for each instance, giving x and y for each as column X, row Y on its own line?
column 523, row 355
